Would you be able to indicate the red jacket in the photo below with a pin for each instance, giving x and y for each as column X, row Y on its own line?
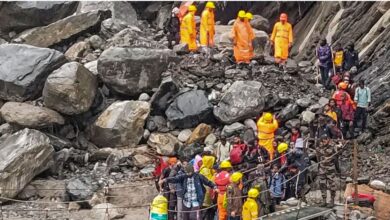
column 347, row 111
column 222, row 179
column 160, row 167
column 294, row 137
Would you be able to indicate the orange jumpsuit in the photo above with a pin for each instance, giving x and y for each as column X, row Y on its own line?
column 207, row 28
column 243, row 36
column 282, row 36
column 188, row 31
column 266, row 134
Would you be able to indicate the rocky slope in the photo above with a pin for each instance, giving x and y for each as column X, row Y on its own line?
column 92, row 93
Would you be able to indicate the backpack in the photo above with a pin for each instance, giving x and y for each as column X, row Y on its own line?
column 237, row 154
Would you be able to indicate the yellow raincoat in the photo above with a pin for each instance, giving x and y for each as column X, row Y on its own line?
column 266, row 134
column 207, row 28
column 282, row 36
column 250, row 210
column 188, row 31
column 242, row 35
column 207, row 171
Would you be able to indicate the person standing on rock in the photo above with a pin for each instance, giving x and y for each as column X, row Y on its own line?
column 188, row 29
column 266, row 127
column 324, row 55
column 207, row 26
column 338, row 58
column 172, row 28
column 363, row 100
column 242, row 36
column 351, row 58
column 282, row 39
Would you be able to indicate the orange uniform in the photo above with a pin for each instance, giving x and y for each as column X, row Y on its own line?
column 282, row 37
column 222, row 180
column 207, row 28
column 188, row 31
column 242, row 35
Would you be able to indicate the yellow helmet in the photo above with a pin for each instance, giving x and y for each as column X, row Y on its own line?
column 253, row 193
column 236, row 177
column 241, row 14
column 268, row 116
column 282, row 147
column 210, row 5
column 192, row 8
column 225, row 165
column 249, row 15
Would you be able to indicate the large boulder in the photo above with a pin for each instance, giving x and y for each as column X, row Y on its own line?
column 244, row 99
column 233, row 129
column 121, row 124
column 30, row 116
column 64, row 29
column 200, row 133
column 19, row 16
column 110, row 27
column 288, row 112
column 122, row 11
column 131, row 71
column 70, row 89
column 260, row 23
column 189, row 109
column 81, row 188
column 164, row 95
column 23, row 70
column 163, row 15
column 24, row 155
column 164, row 143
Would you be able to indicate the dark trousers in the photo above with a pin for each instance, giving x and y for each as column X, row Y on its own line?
column 275, row 201
column 173, row 37
column 172, row 205
column 234, row 218
column 361, row 113
column 347, row 128
column 325, row 78
column 194, row 215
column 208, row 214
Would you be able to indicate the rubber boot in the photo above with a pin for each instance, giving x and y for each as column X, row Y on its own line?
column 331, row 204
column 323, row 203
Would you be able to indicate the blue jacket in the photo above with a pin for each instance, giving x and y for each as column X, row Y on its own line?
column 324, row 55
column 199, row 181
column 277, row 185
column 362, row 97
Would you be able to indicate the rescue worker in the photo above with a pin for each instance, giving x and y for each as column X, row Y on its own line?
column 249, row 17
column 327, row 169
column 258, row 180
column 207, row 171
column 222, row 179
column 234, row 197
column 266, row 127
column 282, row 39
column 250, row 207
column 282, row 153
column 172, row 28
column 337, row 95
column 338, row 58
column 242, row 35
column 188, row 29
column 207, row 26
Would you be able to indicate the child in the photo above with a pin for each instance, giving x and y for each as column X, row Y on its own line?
column 277, row 186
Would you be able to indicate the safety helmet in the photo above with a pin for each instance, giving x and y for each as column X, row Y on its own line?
column 241, row 14
column 210, row 5
column 343, row 85
column 249, row 15
column 225, row 165
column 282, row 147
column 267, row 116
column 253, row 193
column 192, row 8
column 236, row 177
column 283, row 17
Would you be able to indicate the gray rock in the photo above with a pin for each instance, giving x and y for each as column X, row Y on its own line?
column 59, row 143
column 233, row 129
column 260, row 23
column 7, row 129
column 231, row 73
column 314, row 108
column 288, row 112
column 293, row 123
column 30, row 116
column 244, row 99
column 19, row 16
column 304, row 64
column 92, row 67
column 249, row 136
column 189, row 109
column 291, row 66
column 210, row 139
column 2, row 41
column 39, row 188
column 250, row 123
column 323, row 101
column 96, row 42
column 164, row 143
column 24, row 69
column 184, row 135
column 110, row 27
column 151, row 11
column 131, row 71
column 144, row 97
column 24, row 154
column 181, row 49
column 163, row 15
column 121, row 10
column 146, row 134
column 77, row 50
column 377, row 184
column 307, row 117
column 61, row 30
column 121, row 124
column 70, row 89
column 157, row 123
column 81, row 188
column 164, row 95
column 114, row 212
column 141, row 161
column 303, row 102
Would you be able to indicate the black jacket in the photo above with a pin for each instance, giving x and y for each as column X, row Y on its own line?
column 351, row 58
column 172, row 25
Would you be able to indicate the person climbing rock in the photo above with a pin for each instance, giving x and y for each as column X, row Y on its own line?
column 234, row 196
column 282, row 39
column 242, row 36
column 172, row 28
column 188, row 29
column 324, row 55
column 266, row 127
column 250, row 207
column 351, row 58
column 363, row 100
column 207, row 26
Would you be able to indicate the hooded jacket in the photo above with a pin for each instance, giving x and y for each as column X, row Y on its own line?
column 324, row 55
